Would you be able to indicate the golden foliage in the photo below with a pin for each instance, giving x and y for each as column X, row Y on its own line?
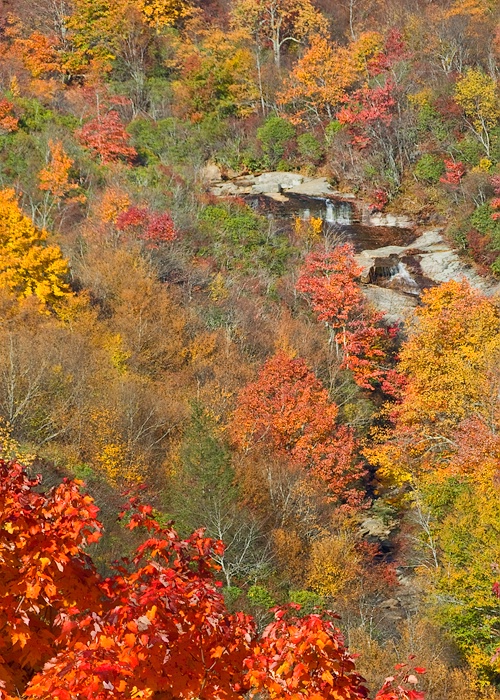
column 477, row 94
column 10, row 449
column 456, row 334
column 290, row 553
column 28, row 266
column 217, row 74
column 163, row 13
column 334, row 564
column 309, row 230
column 112, row 457
column 320, row 79
column 119, row 355
column 112, row 203
column 217, row 288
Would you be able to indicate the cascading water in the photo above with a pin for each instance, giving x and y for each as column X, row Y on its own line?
column 331, row 211
column 402, row 279
column 335, row 213
column 338, row 212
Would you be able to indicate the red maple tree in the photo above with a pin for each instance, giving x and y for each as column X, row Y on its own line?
column 288, row 410
column 106, row 136
column 330, row 280
column 158, row 627
column 154, row 228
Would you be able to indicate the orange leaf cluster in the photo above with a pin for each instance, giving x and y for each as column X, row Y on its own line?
column 288, row 410
column 39, row 54
column 8, row 122
column 299, row 658
column 330, row 279
column 55, row 178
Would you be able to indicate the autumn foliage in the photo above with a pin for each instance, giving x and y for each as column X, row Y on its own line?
column 157, row 627
column 154, row 228
column 303, row 657
column 288, row 411
column 8, row 122
column 45, row 574
column 106, row 137
column 330, row 280
column 28, row 265
column 56, row 176
column 221, row 349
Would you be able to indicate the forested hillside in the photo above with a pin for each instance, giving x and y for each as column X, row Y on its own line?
column 209, row 438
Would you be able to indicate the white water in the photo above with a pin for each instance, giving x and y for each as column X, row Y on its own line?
column 403, row 279
column 333, row 212
column 338, row 212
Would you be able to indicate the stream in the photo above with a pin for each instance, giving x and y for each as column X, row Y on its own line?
column 397, row 262
column 391, row 280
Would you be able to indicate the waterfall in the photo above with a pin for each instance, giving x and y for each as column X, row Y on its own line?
column 403, row 278
column 338, row 212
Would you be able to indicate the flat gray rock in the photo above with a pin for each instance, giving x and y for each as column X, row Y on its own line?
column 269, row 184
column 396, row 306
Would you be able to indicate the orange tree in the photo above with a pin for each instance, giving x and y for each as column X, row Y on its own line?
column 288, row 411
column 329, row 278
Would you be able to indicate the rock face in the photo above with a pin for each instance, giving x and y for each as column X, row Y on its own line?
column 397, row 306
column 427, row 261
column 380, row 219
column 281, row 183
column 393, row 275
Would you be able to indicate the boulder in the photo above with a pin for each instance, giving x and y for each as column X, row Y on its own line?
column 269, row 184
column 396, row 306
column 369, row 218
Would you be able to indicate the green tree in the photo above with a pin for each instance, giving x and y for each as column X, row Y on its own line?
column 274, row 135
column 204, row 495
column 204, row 478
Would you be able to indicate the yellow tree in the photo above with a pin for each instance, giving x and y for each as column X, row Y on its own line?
column 163, row 13
column 216, row 76
column 447, row 355
column 278, row 22
column 446, row 362
column 468, row 575
column 477, row 94
column 28, row 265
column 95, row 29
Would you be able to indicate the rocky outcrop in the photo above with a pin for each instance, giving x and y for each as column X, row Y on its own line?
column 278, row 184
column 393, row 275
column 369, row 218
column 397, row 306
column 437, row 261
column 426, row 261
column 441, row 263
column 268, row 183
